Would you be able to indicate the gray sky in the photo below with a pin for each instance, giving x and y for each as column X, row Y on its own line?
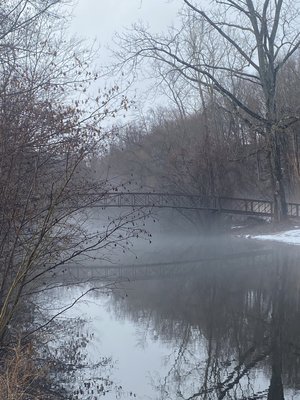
column 101, row 18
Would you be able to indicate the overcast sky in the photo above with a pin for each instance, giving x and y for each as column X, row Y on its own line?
column 101, row 18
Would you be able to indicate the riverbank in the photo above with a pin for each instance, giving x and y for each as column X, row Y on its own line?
column 287, row 232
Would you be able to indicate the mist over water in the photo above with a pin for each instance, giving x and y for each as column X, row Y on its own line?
column 189, row 315
column 165, row 236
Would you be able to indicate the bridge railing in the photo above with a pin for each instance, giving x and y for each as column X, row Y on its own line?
column 247, row 206
column 293, row 209
column 186, row 201
column 252, row 206
column 160, row 200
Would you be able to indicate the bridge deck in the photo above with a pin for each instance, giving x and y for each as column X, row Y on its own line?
column 192, row 202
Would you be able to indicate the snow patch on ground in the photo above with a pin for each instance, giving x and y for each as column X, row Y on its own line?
column 289, row 237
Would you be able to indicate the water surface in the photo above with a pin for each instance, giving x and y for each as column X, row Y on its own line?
column 220, row 320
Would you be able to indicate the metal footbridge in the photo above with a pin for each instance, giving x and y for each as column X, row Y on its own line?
column 229, row 205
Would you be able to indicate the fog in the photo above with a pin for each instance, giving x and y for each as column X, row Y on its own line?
column 163, row 236
column 205, row 326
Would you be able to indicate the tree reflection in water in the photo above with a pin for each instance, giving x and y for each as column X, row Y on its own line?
column 234, row 324
column 75, row 371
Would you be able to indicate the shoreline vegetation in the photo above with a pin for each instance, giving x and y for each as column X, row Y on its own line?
column 226, row 129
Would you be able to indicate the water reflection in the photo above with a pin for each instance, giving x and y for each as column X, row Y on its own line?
column 234, row 325
column 229, row 326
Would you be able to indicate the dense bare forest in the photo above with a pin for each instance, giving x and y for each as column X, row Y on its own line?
column 231, row 63
column 230, row 77
column 211, row 151
column 50, row 126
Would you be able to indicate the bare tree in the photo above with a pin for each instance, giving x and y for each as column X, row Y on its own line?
column 50, row 126
column 252, row 41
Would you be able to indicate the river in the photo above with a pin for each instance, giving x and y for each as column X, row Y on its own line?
column 190, row 318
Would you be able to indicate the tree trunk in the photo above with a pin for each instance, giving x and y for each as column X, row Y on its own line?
column 276, row 391
column 279, row 197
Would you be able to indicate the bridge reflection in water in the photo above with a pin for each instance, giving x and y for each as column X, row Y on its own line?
column 192, row 202
column 242, row 314
column 231, row 322
column 132, row 272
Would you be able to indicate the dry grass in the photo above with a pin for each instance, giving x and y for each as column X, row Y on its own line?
column 19, row 375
